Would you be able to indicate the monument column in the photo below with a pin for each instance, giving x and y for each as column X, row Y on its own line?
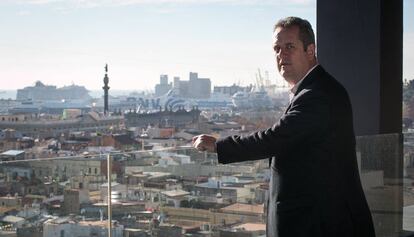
column 106, row 89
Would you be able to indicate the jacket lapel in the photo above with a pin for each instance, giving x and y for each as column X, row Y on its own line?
column 309, row 79
column 306, row 81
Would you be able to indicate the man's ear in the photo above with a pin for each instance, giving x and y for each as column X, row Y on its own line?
column 310, row 50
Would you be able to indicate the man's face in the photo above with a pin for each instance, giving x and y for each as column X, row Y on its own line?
column 293, row 62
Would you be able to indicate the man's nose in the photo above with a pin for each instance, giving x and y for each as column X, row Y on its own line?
column 282, row 56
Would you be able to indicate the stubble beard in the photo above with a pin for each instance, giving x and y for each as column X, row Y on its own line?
column 288, row 78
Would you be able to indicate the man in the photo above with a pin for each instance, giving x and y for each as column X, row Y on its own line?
column 315, row 189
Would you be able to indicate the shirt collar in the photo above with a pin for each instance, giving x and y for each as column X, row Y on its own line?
column 295, row 88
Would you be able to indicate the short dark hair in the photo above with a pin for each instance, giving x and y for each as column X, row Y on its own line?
column 306, row 34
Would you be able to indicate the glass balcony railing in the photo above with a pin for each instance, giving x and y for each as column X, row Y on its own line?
column 169, row 190
column 177, row 191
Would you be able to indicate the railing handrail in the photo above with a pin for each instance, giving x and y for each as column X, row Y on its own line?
column 100, row 156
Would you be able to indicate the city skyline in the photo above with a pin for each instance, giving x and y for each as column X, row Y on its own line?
column 64, row 42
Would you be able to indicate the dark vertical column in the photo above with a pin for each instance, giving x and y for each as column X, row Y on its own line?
column 391, row 48
column 106, row 107
column 360, row 44
column 106, row 89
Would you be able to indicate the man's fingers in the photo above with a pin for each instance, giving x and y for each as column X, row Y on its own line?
column 203, row 142
column 194, row 139
column 199, row 144
column 200, row 147
column 199, row 138
column 196, row 142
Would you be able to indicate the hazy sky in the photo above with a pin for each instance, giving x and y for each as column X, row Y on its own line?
column 61, row 42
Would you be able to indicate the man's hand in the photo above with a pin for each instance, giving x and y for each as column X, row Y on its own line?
column 204, row 142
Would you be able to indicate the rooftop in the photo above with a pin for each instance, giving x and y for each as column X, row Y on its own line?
column 12, row 219
column 207, row 185
column 12, row 153
column 175, row 193
column 157, row 174
column 113, row 184
column 10, row 197
column 103, row 224
column 251, row 227
column 244, row 208
column 6, row 209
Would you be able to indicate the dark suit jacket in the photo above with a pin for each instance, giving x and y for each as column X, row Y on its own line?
column 315, row 188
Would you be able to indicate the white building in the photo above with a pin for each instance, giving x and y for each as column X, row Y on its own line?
column 67, row 227
column 14, row 221
column 175, row 196
column 168, row 159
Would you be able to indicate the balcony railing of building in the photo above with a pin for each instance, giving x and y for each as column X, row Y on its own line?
column 179, row 191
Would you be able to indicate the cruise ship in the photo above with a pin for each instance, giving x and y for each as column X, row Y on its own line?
column 253, row 99
column 42, row 92
column 42, row 98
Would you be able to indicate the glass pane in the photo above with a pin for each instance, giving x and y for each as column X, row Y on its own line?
column 53, row 195
column 408, row 158
column 159, row 187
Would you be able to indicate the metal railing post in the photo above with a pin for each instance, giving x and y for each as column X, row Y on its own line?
column 109, row 164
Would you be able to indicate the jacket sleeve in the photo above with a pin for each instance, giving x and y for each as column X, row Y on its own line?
column 302, row 125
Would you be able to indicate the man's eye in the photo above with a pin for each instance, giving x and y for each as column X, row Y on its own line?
column 276, row 49
column 290, row 46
